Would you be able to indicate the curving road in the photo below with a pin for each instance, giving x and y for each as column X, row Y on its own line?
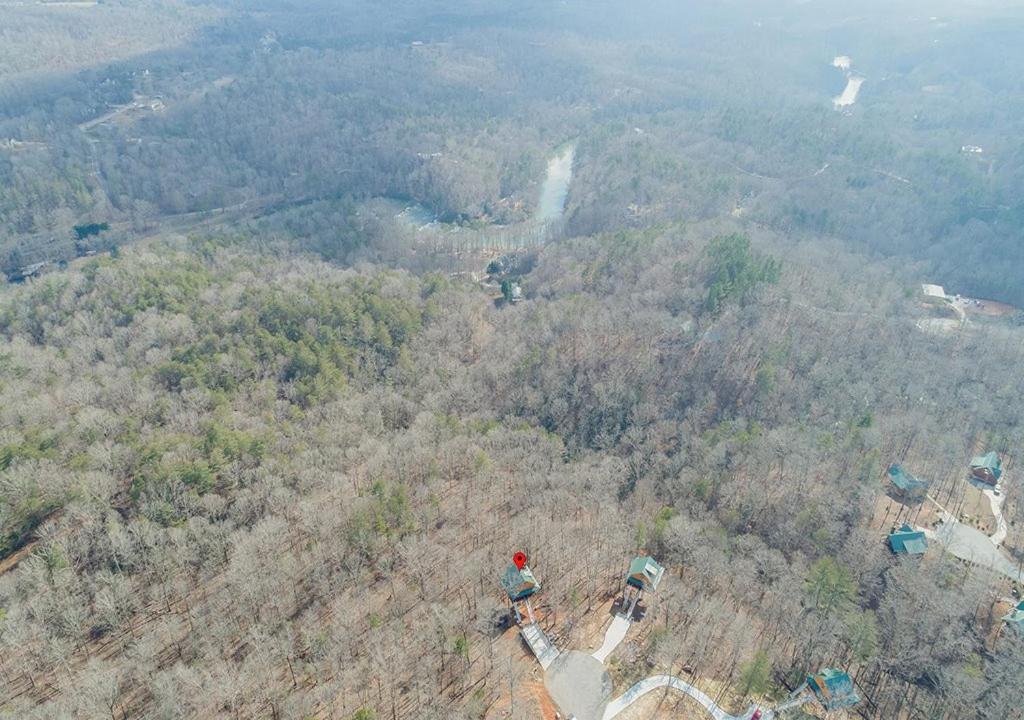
column 659, row 681
column 581, row 686
column 997, row 511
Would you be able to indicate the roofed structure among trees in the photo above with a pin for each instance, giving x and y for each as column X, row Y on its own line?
column 644, row 573
column 987, row 468
column 907, row 486
column 519, row 584
column 834, row 689
column 1015, row 619
column 907, row 541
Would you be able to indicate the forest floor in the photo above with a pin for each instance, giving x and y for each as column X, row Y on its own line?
column 662, row 706
column 529, row 694
column 583, row 687
column 890, row 513
column 969, row 503
column 976, row 510
column 530, row 691
column 594, row 624
column 11, row 561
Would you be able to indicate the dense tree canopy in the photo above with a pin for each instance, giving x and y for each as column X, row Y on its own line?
column 289, row 365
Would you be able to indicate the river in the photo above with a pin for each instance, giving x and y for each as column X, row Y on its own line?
column 849, row 96
column 853, row 82
column 550, row 208
column 555, row 191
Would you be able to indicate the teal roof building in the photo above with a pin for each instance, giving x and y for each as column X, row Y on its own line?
column 988, row 468
column 519, row 584
column 1016, row 618
column 644, row 573
column 906, row 484
column 834, row 689
column 908, row 541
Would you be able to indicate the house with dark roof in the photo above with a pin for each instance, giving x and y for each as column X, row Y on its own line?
column 906, row 486
column 987, row 468
column 907, row 541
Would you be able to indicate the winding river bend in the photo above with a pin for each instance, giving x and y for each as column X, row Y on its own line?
column 555, row 191
column 544, row 225
column 853, row 83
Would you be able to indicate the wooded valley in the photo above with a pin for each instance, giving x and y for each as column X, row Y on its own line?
column 267, row 444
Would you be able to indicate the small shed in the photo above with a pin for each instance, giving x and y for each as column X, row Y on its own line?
column 907, row 486
column 834, row 689
column 987, row 468
column 934, row 293
column 519, row 584
column 1016, row 618
column 644, row 573
column 907, row 541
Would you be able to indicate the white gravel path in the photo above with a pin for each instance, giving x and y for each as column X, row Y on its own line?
column 612, row 638
column 997, row 511
column 659, row 681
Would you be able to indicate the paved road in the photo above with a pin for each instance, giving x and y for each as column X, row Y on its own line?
column 579, row 684
column 659, row 681
column 582, row 688
column 974, row 546
column 615, row 635
column 997, row 511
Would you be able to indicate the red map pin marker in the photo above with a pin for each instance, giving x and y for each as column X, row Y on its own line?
column 519, row 559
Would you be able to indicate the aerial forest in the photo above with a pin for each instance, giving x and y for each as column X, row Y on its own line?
column 292, row 361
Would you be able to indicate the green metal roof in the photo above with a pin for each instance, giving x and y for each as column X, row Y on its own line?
column 915, row 546
column 519, row 583
column 1016, row 616
column 646, row 571
column 909, row 541
column 989, row 461
column 904, row 480
column 834, row 689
